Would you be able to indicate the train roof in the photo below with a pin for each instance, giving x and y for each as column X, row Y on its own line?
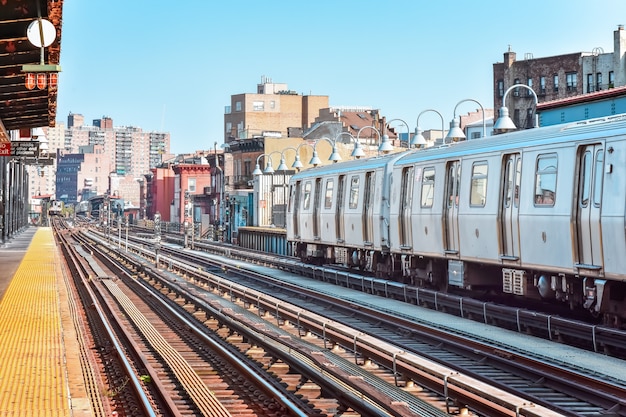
column 367, row 164
column 102, row 196
column 555, row 134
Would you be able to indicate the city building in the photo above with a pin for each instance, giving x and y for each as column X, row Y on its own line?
column 186, row 191
column 601, row 103
column 557, row 77
column 100, row 159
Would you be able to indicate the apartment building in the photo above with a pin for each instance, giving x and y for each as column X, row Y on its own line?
column 557, row 77
column 98, row 159
column 274, row 112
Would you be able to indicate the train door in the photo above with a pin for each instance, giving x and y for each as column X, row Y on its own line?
column 588, row 206
column 509, row 209
column 316, row 208
column 339, row 225
column 368, row 208
column 406, row 195
column 295, row 204
column 451, row 209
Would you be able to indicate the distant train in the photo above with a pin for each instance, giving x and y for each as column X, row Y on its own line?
column 538, row 214
column 82, row 208
column 55, row 208
column 97, row 203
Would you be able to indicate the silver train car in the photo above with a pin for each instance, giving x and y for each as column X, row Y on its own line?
column 55, row 208
column 538, row 214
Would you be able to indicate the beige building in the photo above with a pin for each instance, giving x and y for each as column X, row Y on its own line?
column 274, row 111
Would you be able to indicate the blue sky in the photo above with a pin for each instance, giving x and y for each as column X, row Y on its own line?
column 173, row 65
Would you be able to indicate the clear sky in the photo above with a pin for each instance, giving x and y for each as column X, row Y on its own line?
column 173, row 65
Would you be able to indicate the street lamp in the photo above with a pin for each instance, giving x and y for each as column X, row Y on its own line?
column 298, row 163
column 504, row 122
column 418, row 139
column 455, row 133
column 408, row 130
column 383, row 141
column 357, row 152
column 334, row 156
column 283, row 165
column 268, row 165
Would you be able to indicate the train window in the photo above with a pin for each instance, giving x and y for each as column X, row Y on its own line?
column 585, row 178
column 597, row 187
column 478, row 193
column 354, row 192
column 328, row 196
column 545, row 180
column 306, row 198
column 428, row 187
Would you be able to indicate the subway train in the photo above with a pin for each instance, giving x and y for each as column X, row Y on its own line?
column 537, row 214
column 98, row 208
column 55, row 208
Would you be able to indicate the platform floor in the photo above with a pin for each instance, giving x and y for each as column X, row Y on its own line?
column 41, row 373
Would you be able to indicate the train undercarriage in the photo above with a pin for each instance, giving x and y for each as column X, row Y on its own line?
column 601, row 299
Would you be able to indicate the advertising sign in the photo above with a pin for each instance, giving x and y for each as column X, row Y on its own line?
column 25, row 149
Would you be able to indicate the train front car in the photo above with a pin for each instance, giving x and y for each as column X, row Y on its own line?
column 338, row 213
column 55, row 208
column 537, row 214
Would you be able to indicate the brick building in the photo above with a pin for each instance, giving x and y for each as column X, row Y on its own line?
column 557, row 77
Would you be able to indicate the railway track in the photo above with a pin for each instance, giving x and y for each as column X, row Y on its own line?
column 554, row 327
column 153, row 365
column 569, row 401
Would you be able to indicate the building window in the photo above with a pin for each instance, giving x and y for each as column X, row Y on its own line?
column 272, row 104
column 516, row 90
column 516, row 117
column 590, row 86
column 555, row 82
column 238, row 106
column 241, row 134
column 599, row 81
column 542, row 85
column 229, row 127
column 529, row 82
column 529, row 118
column 500, row 88
column 611, row 79
column 191, row 185
column 571, row 81
column 258, row 105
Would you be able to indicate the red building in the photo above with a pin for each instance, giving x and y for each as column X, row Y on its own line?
column 185, row 192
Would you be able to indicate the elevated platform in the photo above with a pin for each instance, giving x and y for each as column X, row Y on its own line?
column 42, row 371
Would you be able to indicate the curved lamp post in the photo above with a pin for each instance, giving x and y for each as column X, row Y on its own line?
column 418, row 138
column 455, row 133
column 298, row 163
column 334, row 156
column 358, row 150
column 408, row 129
column 383, row 141
column 283, row 166
column 268, row 165
column 504, row 122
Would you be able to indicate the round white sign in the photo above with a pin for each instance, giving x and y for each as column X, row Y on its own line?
column 41, row 33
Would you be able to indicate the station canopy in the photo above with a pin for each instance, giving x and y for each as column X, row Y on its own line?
column 29, row 63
